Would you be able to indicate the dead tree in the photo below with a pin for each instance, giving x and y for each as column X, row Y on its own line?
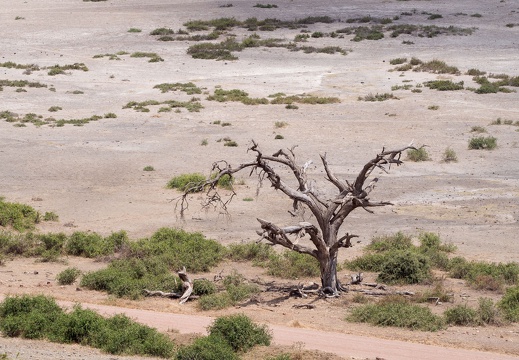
column 328, row 213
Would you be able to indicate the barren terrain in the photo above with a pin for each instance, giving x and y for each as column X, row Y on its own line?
column 92, row 176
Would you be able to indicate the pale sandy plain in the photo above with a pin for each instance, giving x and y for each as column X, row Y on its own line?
column 92, row 176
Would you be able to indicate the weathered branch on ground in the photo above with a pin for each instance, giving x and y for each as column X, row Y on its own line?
column 185, row 295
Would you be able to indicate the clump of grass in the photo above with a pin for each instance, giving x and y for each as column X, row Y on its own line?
column 398, row 61
column 437, row 67
column 279, row 137
column 50, row 216
column 292, row 265
column 148, row 168
column 134, row 30
column 483, row 143
column 478, row 129
column 236, row 289
column 280, row 124
column 475, row 72
column 433, row 107
column 183, row 182
column 60, row 69
column 68, row 276
column 449, row 155
column 378, row 97
column 418, row 155
column 207, row 348
column 204, row 142
column 397, row 312
column 162, row 31
column 265, row 6
column 230, row 143
column 304, row 99
column 55, row 108
column 222, row 95
column 153, row 57
column 39, row 317
column 189, row 88
column 444, row 85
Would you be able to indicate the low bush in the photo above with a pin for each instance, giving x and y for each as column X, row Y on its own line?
column 417, row 155
column 20, row 217
column 147, row 263
column 190, row 181
column 68, row 276
column 461, row 315
column 483, row 142
column 509, row 304
column 207, row 348
column 397, row 312
column 400, row 261
column 256, row 252
column 292, row 265
column 449, row 155
column 444, row 85
column 483, row 275
column 240, row 332
column 404, row 267
column 39, row 317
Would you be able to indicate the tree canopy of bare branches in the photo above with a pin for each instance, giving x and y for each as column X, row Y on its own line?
column 329, row 213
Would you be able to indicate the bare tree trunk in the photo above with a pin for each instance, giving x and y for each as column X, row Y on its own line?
column 328, row 267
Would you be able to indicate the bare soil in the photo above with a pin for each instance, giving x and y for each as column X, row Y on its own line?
column 92, row 176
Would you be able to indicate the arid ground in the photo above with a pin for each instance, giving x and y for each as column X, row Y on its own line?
column 92, row 175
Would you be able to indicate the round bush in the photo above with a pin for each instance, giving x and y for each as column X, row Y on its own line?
column 240, row 332
column 68, row 276
column 405, row 267
column 461, row 315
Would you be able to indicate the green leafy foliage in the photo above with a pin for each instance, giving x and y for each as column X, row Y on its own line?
column 397, row 312
column 20, row 217
column 39, row 317
column 240, row 332
column 207, row 348
column 398, row 260
column 183, row 182
column 483, row 143
column 148, row 263
column 68, row 276
column 509, row 304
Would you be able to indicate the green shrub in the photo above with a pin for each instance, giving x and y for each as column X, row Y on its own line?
column 438, row 67
column 256, row 252
column 478, row 129
column 190, row 181
column 404, row 267
column 444, row 85
column 203, row 287
column 398, row 241
column 50, row 216
column 240, row 332
column 398, row 61
column 216, row 301
column 461, row 315
column 484, row 275
column 488, row 313
column 88, row 245
column 397, row 312
column 68, row 276
column 207, row 348
column 482, row 142
column 238, row 288
column 20, row 216
column 417, row 155
column 148, row 168
column 292, row 265
column 449, row 155
column 147, row 263
column 509, row 304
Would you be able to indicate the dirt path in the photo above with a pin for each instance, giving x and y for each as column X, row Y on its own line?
column 341, row 344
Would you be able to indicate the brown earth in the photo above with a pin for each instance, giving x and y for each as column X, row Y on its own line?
column 92, row 175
